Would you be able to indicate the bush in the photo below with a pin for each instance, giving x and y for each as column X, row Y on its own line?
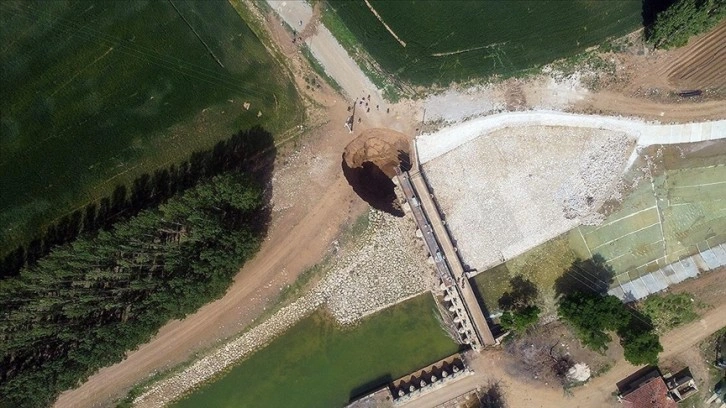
column 684, row 19
column 669, row 311
column 520, row 320
column 593, row 315
column 518, row 304
column 642, row 348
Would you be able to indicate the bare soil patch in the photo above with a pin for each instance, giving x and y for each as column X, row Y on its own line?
column 369, row 164
column 701, row 63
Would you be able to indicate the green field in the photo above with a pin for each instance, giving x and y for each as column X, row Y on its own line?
column 318, row 364
column 461, row 40
column 682, row 211
column 96, row 93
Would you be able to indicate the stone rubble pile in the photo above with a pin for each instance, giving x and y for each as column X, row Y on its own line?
column 386, row 267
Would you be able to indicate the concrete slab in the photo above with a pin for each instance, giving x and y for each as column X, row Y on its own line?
column 710, row 258
column 639, row 289
column 720, row 253
column 617, row 292
column 689, row 267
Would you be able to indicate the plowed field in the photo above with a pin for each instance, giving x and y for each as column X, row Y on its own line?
column 701, row 64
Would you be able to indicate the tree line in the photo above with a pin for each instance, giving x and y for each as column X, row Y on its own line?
column 145, row 191
column 680, row 20
column 86, row 303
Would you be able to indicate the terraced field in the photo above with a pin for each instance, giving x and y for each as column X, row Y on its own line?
column 98, row 93
column 426, row 42
column 680, row 213
column 701, row 63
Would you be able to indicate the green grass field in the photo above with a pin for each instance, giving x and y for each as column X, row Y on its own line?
column 97, row 93
column 460, row 40
column 318, row 364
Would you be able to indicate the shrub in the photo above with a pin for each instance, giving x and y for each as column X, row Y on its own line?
column 669, row 311
column 684, row 19
column 520, row 320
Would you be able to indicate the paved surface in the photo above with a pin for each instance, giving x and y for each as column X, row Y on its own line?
column 428, row 235
column 654, row 282
column 433, row 145
column 326, row 49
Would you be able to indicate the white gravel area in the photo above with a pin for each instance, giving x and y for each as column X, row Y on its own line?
column 386, row 266
column 544, row 92
column 511, row 189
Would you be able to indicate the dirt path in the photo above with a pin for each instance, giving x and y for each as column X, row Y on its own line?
column 317, row 203
column 598, row 392
column 312, row 202
column 612, row 103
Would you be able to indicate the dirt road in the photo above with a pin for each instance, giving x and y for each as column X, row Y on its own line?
column 612, row 103
column 312, row 202
column 318, row 202
column 599, row 391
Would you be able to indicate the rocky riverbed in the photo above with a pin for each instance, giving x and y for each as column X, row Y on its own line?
column 383, row 266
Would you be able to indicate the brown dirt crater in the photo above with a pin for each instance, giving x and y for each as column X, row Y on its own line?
column 369, row 163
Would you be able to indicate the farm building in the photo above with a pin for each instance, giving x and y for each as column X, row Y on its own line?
column 648, row 388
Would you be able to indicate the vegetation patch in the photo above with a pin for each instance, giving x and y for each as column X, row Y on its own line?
column 441, row 42
column 670, row 310
column 593, row 315
column 684, row 19
column 83, row 306
column 520, row 312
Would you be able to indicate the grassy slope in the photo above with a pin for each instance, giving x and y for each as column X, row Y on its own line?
column 515, row 35
column 103, row 92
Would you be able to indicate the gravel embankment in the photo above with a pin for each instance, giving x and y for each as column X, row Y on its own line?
column 386, row 266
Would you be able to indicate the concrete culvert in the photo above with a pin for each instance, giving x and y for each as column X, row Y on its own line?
column 369, row 164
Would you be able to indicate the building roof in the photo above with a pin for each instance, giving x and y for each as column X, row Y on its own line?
column 649, row 394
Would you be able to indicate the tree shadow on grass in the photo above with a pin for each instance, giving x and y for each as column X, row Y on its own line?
column 251, row 151
column 591, row 275
column 524, row 292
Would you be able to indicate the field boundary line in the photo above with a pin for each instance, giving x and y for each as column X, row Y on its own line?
column 445, row 54
column 630, row 233
column 620, row 219
column 584, row 241
column 390, row 30
column 701, row 185
column 79, row 73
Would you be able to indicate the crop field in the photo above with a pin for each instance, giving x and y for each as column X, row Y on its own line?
column 318, row 364
column 98, row 93
column 682, row 212
column 425, row 42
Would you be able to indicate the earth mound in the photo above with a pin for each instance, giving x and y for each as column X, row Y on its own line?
column 369, row 164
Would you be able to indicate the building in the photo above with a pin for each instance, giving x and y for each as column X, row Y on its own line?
column 648, row 388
